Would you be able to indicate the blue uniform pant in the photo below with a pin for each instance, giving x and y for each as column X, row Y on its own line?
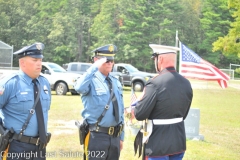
column 103, row 147
column 25, row 151
column 170, row 157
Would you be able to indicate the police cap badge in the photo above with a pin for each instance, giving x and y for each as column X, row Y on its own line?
column 34, row 50
column 107, row 51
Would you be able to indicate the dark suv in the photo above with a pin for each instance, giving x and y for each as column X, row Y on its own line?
column 132, row 77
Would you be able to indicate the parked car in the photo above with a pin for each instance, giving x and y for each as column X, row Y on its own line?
column 77, row 67
column 81, row 68
column 132, row 76
column 60, row 80
column 127, row 74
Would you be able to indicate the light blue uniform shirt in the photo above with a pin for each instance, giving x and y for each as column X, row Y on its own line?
column 95, row 95
column 18, row 98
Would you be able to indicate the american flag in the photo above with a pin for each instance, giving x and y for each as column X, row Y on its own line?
column 130, row 109
column 193, row 66
column 133, row 97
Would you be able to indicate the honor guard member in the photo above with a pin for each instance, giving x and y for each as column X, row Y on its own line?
column 102, row 99
column 24, row 104
column 164, row 104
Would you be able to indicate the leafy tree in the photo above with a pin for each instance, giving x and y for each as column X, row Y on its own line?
column 189, row 30
column 133, row 25
column 228, row 44
column 68, row 29
column 215, row 22
column 14, row 24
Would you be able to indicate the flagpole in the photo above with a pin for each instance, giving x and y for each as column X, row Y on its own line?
column 176, row 44
column 180, row 55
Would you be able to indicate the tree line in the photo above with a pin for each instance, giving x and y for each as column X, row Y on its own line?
column 71, row 29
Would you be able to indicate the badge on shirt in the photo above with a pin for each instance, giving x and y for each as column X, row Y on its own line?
column 45, row 89
column 1, row 90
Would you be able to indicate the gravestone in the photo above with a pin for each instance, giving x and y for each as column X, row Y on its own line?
column 192, row 124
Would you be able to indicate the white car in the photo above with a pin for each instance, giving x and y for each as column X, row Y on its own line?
column 60, row 80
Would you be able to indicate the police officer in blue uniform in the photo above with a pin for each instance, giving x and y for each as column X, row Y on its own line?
column 102, row 99
column 17, row 98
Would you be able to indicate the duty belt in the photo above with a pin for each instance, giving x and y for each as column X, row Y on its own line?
column 31, row 140
column 112, row 131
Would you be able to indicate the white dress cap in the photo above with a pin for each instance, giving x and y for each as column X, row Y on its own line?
column 161, row 49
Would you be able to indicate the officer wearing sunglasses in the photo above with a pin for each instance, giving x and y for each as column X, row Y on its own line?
column 102, row 99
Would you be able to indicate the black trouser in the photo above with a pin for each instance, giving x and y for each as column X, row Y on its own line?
column 103, row 146
column 25, row 151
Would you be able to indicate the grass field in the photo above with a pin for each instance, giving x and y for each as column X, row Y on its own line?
column 219, row 124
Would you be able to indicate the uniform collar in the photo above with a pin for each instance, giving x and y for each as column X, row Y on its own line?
column 25, row 77
column 170, row 68
column 101, row 76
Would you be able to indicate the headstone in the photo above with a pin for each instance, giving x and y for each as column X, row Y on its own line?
column 192, row 124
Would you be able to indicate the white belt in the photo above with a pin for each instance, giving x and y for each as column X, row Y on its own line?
column 167, row 121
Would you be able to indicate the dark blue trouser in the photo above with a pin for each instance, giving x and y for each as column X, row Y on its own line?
column 178, row 156
column 103, row 147
column 25, row 151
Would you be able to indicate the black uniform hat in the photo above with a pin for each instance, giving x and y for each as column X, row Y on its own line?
column 34, row 50
column 161, row 49
column 107, row 51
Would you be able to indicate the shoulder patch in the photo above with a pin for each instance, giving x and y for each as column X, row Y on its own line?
column 1, row 90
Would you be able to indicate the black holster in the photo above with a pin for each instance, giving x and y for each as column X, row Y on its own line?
column 83, row 128
column 44, row 145
column 5, row 137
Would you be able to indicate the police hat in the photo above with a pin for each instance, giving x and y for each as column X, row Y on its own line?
column 107, row 51
column 34, row 50
column 161, row 49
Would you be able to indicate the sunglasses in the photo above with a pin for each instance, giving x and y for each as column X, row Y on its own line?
column 110, row 60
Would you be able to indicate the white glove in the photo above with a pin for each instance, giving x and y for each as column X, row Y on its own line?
column 100, row 62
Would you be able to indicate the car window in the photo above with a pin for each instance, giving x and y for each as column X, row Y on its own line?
column 84, row 67
column 130, row 68
column 120, row 69
column 74, row 67
column 43, row 69
column 56, row 68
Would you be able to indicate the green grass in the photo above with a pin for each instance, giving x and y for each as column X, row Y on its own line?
column 219, row 124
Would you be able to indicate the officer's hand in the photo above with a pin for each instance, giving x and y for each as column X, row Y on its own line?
column 100, row 62
column 121, row 145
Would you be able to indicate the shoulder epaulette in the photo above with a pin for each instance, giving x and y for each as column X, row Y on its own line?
column 43, row 76
column 156, row 76
column 112, row 76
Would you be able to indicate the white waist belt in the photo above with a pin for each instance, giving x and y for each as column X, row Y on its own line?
column 167, row 121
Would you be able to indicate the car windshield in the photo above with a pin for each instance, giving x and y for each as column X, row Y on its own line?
column 130, row 68
column 56, row 68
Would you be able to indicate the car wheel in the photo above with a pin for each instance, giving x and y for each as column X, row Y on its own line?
column 61, row 89
column 138, row 86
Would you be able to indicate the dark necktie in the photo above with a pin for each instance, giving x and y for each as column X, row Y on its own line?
column 114, row 100
column 39, row 113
